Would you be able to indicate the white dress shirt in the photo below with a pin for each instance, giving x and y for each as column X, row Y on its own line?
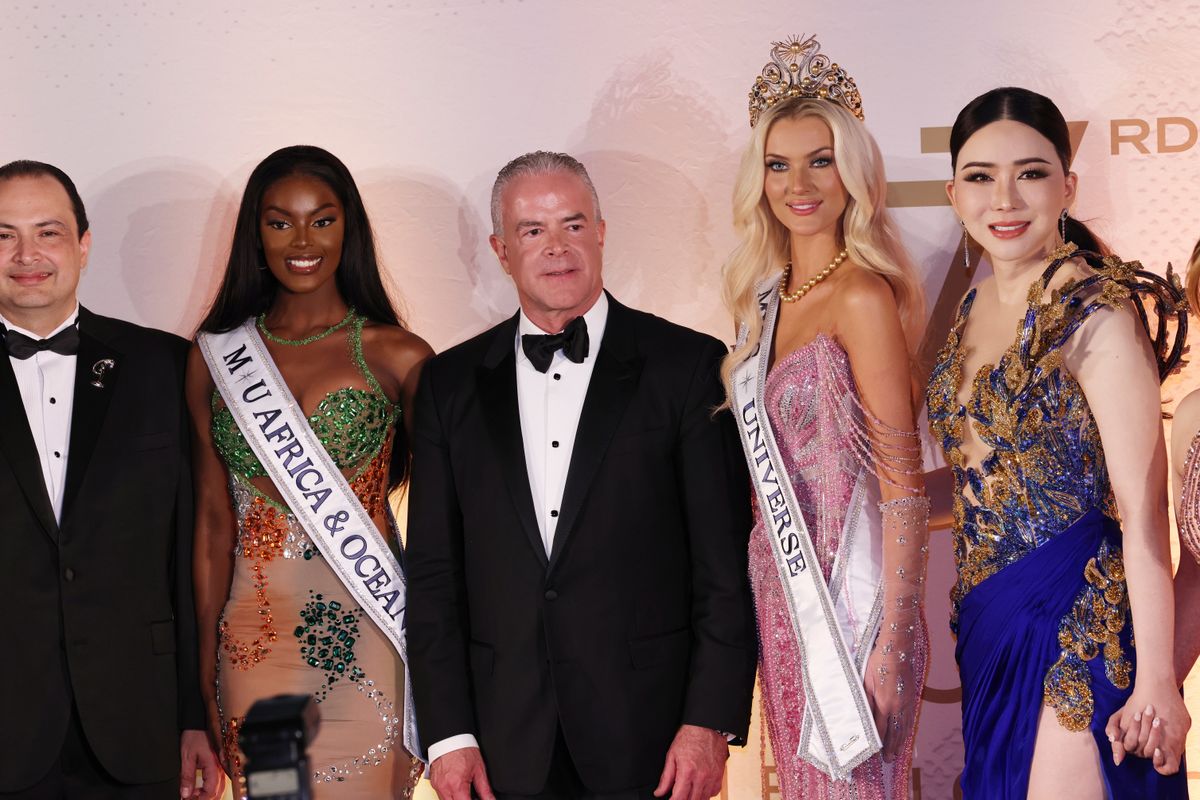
column 550, row 405
column 47, row 383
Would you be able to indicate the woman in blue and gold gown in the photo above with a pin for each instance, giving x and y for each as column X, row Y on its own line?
column 273, row 616
column 1045, row 400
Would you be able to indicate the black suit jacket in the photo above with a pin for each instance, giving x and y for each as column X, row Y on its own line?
column 100, row 610
column 641, row 618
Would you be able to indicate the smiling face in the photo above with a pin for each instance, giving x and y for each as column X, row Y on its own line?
column 1009, row 189
column 41, row 253
column 302, row 225
column 802, row 183
column 552, row 245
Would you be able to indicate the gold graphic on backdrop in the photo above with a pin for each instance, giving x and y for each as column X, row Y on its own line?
column 1135, row 131
column 923, row 194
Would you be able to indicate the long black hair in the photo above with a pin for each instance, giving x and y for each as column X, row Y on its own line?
column 248, row 288
column 1038, row 112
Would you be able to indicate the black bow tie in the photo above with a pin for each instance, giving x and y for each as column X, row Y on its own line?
column 540, row 347
column 65, row 342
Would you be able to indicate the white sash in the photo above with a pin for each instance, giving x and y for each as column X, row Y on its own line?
column 312, row 486
column 834, row 626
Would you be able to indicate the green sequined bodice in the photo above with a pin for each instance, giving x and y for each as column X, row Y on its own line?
column 352, row 424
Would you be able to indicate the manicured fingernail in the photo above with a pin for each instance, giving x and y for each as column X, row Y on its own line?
column 1137, row 717
column 1158, row 752
column 1149, row 709
column 185, row 793
column 1111, row 738
column 1155, row 724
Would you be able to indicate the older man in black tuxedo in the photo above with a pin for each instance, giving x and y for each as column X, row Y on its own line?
column 580, row 621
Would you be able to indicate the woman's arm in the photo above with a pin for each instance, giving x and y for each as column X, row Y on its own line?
column 1111, row 359
column 396, row 356
column 879, row 359
column 214, row 536
column 1187, row 578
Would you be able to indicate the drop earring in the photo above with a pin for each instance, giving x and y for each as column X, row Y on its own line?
column 1062, row 226
column 966, row 248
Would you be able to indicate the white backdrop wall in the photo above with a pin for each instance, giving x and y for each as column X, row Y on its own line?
column 159, row 109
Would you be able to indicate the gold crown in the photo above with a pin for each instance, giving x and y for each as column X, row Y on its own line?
column 799, row 69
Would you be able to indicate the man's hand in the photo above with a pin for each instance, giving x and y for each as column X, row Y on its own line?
column 695, row 765
column 196, row 753
column 453, row 775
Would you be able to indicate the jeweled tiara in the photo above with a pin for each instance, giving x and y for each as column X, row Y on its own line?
column 799, row 69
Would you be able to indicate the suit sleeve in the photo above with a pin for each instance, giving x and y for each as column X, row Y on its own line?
column 438, row 627
column 716, row 500
column 191, row 706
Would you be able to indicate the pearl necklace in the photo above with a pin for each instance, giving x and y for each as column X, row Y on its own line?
column 791, row 297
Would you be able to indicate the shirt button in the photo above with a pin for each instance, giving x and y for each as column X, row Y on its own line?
column 554, row 443
column 68, row 574
column 52, row 401
column 557, row 377
column 57, row 454
column 554, row 513
column 551, row 594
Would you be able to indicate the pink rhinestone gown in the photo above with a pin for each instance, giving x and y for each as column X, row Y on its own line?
column 813, row 407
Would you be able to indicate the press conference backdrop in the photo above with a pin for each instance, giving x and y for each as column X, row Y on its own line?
column 159, row 109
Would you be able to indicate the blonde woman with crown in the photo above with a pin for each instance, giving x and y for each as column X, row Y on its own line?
column 828, row 310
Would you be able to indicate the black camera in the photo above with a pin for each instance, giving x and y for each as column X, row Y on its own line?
column 274, row 739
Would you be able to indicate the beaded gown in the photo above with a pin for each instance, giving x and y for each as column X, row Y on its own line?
column 1040, row 607
column 290, row 627
column 813, row 406
column 1189, row 502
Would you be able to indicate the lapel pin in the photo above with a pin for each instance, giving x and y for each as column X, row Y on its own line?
column 100, row 369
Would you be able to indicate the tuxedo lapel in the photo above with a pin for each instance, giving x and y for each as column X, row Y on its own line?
column 497, row 381
column 91, row 401
column 18, row 447
column 614, row 380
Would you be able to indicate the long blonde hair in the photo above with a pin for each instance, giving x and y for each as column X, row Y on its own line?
column 867, row 233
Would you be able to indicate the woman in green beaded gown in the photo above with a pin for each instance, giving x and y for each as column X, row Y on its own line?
column 273, row 616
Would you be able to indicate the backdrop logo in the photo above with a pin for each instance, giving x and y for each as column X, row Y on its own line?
column 922, row 194
column 1126, row 136
column 1171, row 135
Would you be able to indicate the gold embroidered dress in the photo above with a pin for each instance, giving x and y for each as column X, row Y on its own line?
column 1040, row 607
column 290, row 627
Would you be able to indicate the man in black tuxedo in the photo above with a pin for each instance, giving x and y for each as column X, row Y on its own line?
column 579, row 615
column 98, row 679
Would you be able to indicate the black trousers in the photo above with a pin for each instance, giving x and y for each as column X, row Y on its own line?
column 564, row 783
column 78, row 775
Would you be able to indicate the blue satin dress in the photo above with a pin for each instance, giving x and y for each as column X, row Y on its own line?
column 1040, row 608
